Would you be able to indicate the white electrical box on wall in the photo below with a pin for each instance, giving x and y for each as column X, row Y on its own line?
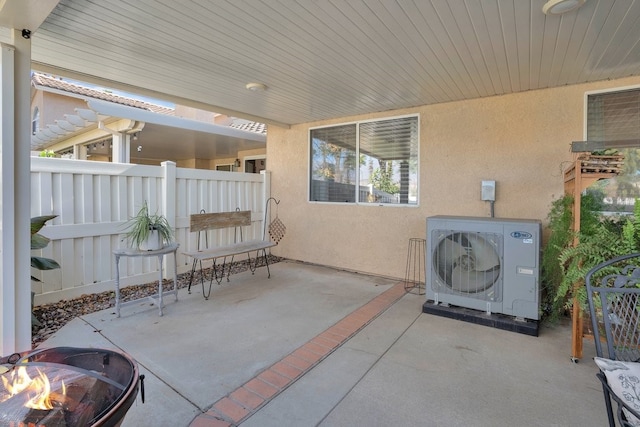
column 489, row 191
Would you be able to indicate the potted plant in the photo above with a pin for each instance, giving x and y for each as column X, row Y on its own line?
column 148, row 232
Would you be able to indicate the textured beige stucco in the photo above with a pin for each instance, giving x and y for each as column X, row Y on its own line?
column 522, row 141
column 53, row 106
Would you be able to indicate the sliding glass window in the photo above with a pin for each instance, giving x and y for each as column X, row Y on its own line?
column 373, row 162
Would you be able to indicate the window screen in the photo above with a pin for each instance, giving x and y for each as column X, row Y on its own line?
column 613, row 116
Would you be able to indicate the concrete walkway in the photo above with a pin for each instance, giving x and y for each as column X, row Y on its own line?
column 316, row 346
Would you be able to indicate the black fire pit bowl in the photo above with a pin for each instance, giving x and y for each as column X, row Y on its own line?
column 90, row 387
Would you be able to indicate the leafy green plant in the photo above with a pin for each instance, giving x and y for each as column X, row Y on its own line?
column 140, row 227
column 559, row 222
column 38, row 241
column 600, row 240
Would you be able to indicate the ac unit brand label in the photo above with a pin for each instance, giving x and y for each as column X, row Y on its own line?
column 521, row 235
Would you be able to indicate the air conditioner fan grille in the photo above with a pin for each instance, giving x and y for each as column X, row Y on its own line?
column 468, row 263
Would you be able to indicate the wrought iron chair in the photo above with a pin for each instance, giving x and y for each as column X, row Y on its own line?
column 613, row 294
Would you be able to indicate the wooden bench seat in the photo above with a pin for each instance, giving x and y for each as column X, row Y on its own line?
column 230, row 250
column 203, row 222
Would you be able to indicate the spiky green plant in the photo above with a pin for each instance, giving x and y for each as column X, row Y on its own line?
column 140, row 226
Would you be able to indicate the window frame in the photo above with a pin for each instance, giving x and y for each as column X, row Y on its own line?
column 357, row 201
column 624, row 142
column 585, row 121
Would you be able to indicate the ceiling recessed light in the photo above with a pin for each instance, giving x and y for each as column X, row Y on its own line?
column 558, row 7
column 256, row 87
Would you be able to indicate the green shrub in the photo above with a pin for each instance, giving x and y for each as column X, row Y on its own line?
column 551, row 274
column 599, row 240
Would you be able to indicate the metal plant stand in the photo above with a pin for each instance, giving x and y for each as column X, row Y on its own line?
column 415, row 275
column 160, row 253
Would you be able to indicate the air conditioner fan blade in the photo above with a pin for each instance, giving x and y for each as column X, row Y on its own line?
column 467, row 262
column 473, row 281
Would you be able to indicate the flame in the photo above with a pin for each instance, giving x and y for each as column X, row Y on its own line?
column 39, row 393
column 18, row 382
column 38, row 389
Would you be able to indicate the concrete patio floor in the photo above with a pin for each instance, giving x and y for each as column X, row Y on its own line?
column 314, row 346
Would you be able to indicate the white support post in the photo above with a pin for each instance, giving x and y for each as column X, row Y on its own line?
column 169, row 207
column 7, row 197
column 15, row 126
column 80, row 152
column 120, row 149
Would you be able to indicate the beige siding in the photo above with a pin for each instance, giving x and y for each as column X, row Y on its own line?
column 522, row 141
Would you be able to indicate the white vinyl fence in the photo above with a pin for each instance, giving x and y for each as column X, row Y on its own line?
column 94, row 200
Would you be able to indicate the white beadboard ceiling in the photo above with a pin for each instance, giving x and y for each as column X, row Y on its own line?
column 323, row 59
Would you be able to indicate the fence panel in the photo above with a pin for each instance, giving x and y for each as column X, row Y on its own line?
column 94, row 200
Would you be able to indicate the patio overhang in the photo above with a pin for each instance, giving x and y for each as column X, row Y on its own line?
column 169, row 136
column 370, row 57
column 24, row 14
column 103, row 108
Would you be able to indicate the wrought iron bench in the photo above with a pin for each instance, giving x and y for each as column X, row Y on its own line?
column 203, row 222
column 613, row 294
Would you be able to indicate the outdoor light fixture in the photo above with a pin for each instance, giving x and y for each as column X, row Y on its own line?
column 256, row 87
column 558, row 7
column 237, row 163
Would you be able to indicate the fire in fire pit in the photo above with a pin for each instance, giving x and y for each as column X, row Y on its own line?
column 66, row 386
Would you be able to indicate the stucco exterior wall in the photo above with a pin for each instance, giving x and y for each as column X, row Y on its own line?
column 188, row 163
column 55, row 106
column 522, row 141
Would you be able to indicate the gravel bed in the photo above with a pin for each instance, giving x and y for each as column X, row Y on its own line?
column 54, row 316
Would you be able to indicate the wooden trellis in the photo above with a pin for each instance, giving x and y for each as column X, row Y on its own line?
column 585, row 170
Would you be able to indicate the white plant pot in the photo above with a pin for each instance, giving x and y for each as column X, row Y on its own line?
column 153, row 242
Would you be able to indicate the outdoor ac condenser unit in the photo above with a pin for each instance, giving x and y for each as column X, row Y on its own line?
column 487, row 264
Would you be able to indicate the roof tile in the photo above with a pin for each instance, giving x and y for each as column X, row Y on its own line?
column 44, row 80
column 251, row 127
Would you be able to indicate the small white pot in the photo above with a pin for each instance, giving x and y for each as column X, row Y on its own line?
column 153, row 242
